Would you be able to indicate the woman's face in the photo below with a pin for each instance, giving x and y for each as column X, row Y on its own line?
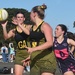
column 58, row 31
column 20, row 18
column 32, row 16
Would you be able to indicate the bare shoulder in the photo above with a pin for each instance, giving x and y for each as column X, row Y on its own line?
column 69, row 41
column 28, row 26
column 46, row 26
column 12, row 31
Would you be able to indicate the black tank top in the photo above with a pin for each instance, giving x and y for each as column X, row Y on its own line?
column 61, row 50
column 21, row 39
column 36, row 36
column 65, row 59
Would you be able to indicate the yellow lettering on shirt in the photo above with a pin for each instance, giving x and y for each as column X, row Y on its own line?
column 22, row 44
column 34, row 44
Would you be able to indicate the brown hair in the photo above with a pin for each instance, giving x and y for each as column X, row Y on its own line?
column 40, row 10
column 63, row 27
column 71, row 35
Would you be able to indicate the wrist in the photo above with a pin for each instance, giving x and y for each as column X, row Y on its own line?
column 4, row 27
column 34, row 49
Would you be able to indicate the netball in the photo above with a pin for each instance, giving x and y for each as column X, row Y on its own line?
column 3, row 14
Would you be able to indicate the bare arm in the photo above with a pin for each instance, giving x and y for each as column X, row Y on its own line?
column 72, row 49
column 5, row 34
column 71, row 42
column 25, row 29
column 47, row 30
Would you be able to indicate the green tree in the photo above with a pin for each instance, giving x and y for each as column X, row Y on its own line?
column 74, row 24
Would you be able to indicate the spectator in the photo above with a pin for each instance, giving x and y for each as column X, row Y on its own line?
column 11, row 52
column 4, row 52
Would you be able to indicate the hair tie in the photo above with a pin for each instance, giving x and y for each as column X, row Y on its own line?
column 41, row 7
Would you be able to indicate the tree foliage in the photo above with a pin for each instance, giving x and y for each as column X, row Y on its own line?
column 74, row 24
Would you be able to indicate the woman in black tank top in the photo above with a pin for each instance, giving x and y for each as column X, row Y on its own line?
column 65, row 58
column 41, row 39
column 20, row 33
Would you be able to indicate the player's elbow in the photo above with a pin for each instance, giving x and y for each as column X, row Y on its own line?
column 50, row 43
column 5, row 37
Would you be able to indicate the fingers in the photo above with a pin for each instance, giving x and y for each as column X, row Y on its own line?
column 23, row 61
column 26, row 60
column 14, row 22
column 4, row 23
column 26, row 48
column 26, row 63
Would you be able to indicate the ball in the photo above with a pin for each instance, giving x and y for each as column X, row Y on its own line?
column 3, row 14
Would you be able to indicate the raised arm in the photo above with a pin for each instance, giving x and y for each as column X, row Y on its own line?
column 25, row 29
column 47, row 30
column 6, row 34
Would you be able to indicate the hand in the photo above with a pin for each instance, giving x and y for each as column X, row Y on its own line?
column 14, row 21
column 30, row 50
column 26, row 62
column 71, row 52
column 4, row 23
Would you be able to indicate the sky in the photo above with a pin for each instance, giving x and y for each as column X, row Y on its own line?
column 57, row 12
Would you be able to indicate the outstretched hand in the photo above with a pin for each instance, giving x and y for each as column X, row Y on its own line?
column 4, row 23
column 26, row 62
column 14, row 21
column 30, row 50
